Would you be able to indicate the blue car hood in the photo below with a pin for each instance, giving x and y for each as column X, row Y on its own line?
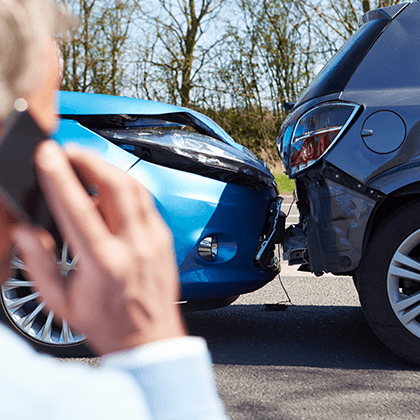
column 90, row 110
column 77, row 103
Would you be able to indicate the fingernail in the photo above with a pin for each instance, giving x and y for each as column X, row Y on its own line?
column 48, row 154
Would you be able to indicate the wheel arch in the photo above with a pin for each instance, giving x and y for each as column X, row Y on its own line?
column 387, row 278
column 391, row 203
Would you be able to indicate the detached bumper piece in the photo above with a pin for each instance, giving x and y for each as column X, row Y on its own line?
column 273, row 234
column 295, row 246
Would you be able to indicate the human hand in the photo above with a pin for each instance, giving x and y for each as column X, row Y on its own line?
column 124, row 290
column 7, row 222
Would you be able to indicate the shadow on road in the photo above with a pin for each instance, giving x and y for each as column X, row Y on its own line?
column 314, row 336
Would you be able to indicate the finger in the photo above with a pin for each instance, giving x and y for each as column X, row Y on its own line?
column 37, row 252
column 5, row 265
column 7, row 221
column 111, row 179
column 113, row 196
column 146, row 202
column 75, row 212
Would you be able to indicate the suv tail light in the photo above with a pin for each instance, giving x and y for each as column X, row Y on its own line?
column 316, row 132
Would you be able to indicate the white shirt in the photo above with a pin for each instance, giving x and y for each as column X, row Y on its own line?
column 165, row 380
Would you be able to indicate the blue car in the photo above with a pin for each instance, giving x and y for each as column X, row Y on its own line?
column 218, row 199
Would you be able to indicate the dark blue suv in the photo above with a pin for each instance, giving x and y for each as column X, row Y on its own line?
column 352, row 143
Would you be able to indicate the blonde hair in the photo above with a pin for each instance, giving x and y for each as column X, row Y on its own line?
column 24, row 26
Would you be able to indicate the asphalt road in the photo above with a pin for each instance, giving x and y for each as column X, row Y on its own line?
column 318, row 359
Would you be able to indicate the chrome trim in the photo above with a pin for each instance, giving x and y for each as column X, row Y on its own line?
column 264, row 244
column 316, row 132
column 208, row 248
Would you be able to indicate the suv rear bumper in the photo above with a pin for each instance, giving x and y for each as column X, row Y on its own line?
column 331, row 237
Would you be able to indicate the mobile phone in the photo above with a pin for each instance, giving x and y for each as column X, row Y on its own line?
column 19, row 189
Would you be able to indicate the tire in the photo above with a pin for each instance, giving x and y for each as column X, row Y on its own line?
column 389, row 282
column 23, row 310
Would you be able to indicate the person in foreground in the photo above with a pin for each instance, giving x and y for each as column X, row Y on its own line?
column 125, row 305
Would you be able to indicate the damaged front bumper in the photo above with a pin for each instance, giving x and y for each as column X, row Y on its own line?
column 273, row 234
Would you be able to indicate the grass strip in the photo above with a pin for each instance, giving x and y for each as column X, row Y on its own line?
column 284, row 184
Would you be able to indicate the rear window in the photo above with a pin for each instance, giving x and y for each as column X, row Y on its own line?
column 337, row 72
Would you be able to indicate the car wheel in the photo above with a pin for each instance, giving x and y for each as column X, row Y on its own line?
column 389, row 282
column 24, row 310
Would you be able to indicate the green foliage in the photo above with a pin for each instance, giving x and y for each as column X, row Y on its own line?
column 284, row 184
column 252, row 128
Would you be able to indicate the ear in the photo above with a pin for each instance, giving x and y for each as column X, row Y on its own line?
column 41, row 97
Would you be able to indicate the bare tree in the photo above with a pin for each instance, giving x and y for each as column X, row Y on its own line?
column 180, row 50
column 92, row 60
column 286, row 48
column 112, row 27
column 76, row 57
column 265, row 60
column 336, row 20
column 268, row 58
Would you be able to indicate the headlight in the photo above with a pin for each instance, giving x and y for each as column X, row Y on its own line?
column 316, row 132
column 193, row 152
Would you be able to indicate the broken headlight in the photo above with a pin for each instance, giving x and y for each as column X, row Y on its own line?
column 193, row 152
column 316, row 132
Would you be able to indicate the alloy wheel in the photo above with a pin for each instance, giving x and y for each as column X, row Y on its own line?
column 403, row 283
column 26, row 309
